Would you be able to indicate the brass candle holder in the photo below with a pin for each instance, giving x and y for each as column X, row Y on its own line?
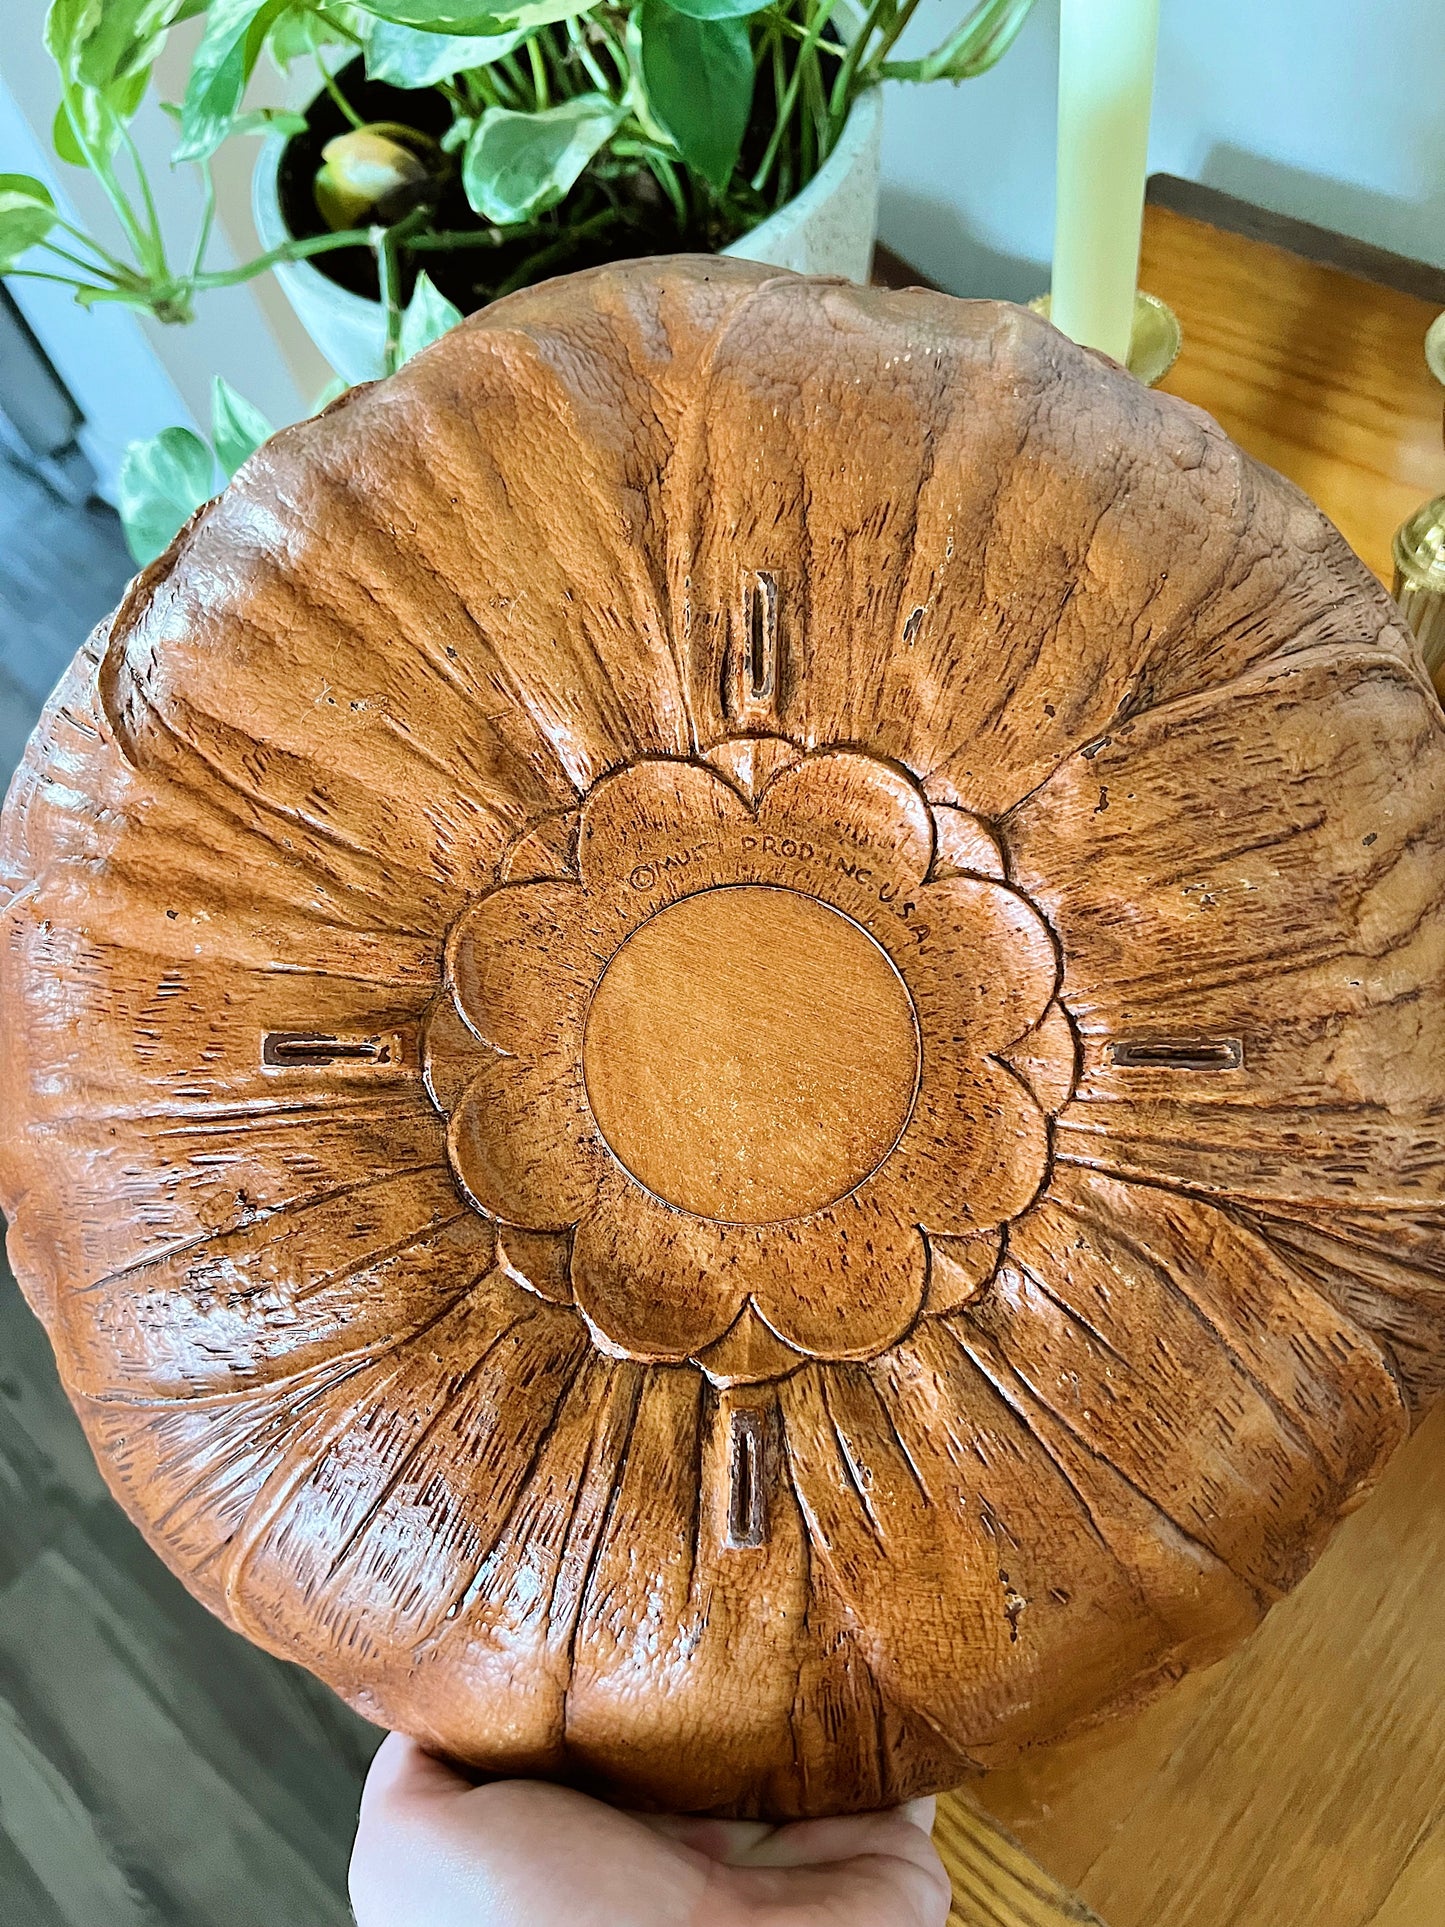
column 1419, row 550
column 1155, row 339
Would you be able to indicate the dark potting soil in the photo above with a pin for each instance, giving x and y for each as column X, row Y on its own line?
column 471, row 277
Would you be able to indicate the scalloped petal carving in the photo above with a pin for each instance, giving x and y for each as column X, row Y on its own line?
column 681, row 577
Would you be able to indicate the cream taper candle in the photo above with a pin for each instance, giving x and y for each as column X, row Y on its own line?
column 1106, row 85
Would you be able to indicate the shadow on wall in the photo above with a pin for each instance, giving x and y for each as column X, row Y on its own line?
column 1344, row 206
column 931, row 236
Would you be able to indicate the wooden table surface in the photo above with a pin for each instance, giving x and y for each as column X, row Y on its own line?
column 1302, row 1782
column 1312, row 369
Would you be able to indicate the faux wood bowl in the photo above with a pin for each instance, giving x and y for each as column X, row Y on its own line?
column 725, row 1065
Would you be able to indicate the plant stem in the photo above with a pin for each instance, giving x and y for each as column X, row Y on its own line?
column 843, row 85
column 815, row 121
column 538, row 264
column 785, row 94
column 557, row 54
column 972, row 48
column 113, row 264
column 329, row 83
column 337, row 27
column 99, row 165
column 358, row 237
column 888, row 39
column 493, row 87
column 806, row 53
column 663, row 172
column 208, row 215
column 666, row 175
column 492, row 237
column 158, row 239
column 169, row 304
column 387, row 243
column 539, row 73
column 587, row 57
column 62, row 280
column 625, row 148
column 89, row 267
column 387, row 273
column 791, row 30
column 513, row 83
column 617, row 53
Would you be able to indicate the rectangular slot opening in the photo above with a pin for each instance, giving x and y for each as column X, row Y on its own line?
column 747, row 1495
column 1178, row 1054
column 304, row 1049
column 761, row 675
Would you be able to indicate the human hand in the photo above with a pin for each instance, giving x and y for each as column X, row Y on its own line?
column 432, row 1850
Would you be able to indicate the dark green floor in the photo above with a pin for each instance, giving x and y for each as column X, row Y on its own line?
column 153, row 1767
column 155, row 1771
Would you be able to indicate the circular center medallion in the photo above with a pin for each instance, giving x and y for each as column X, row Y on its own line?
column 750, row 1054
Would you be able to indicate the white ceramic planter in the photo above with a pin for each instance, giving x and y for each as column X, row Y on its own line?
column 827, row 229
column 831, row 226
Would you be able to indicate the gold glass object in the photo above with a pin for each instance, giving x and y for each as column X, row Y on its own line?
column 1419, row 549
column 1156, row 339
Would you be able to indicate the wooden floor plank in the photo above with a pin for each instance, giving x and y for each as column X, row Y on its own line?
column 1417, row 1898
column 1293, row 1785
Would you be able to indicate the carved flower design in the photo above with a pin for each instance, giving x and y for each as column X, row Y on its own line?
column 465, row 633
column 752, row 1061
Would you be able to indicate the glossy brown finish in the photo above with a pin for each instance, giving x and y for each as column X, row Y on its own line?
column 688, row 633
column 1298, row 1783
column 787, row 1067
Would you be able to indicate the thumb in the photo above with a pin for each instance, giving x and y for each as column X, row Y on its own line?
column 871, row 1870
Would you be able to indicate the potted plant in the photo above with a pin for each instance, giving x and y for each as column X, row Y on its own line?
column 450, row 154
column 557, row 181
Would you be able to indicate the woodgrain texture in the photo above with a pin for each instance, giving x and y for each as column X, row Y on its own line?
column 1299, row 1784
column 619, row 598
column 1316, row 372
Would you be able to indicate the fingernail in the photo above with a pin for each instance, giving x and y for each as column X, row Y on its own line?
column 920, row 1813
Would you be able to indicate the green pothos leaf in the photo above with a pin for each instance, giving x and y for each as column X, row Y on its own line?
column 457, row 16
column 426, row 317
column 699, row 80
column 238, row 427
column 409, row 57
column 718, row 9
column 117, row 38
column 268, row 120
column 163, row 482
column 516, row 165
column 299, row 30
column 103, row 50
column 27, row 215
column 230, row 47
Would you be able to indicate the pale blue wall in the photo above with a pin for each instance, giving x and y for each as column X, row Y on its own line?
column 1330, row 110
